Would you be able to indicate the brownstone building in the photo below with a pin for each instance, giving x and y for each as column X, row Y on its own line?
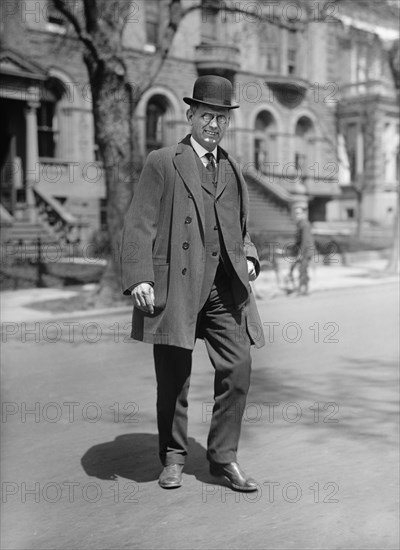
column 318, row 114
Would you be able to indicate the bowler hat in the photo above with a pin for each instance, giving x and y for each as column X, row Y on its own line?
column 212, row 90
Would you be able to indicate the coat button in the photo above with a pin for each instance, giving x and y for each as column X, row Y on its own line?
column 184, row 270
column 214, row 253
column 185, row 245
column 190, row 196
column 188, row 219
column 215, row 227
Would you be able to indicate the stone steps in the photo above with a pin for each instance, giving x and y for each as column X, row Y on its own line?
column 266, row 212
column 28, row 232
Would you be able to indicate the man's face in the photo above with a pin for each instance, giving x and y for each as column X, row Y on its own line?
column 208, row 134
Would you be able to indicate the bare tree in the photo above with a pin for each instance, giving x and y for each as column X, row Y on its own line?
column 99, row 26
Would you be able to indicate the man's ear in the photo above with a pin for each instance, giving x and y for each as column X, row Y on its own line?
column 189, row 115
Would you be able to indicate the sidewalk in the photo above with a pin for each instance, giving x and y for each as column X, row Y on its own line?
column 30, row 305
column 327, row 277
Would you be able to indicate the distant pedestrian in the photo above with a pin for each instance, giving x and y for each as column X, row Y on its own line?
column 304, row 243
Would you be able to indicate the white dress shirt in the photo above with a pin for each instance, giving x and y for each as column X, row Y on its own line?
column 202, row 152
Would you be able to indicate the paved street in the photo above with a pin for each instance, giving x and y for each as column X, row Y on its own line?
column 79, row 440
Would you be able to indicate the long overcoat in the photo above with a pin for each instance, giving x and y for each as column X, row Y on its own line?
column 163, row 242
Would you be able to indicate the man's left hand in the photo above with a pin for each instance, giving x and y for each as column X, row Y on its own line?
column 251, row 269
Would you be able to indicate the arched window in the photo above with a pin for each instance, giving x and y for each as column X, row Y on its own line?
column 303, row 144
column 156, row 114
column 264, row 140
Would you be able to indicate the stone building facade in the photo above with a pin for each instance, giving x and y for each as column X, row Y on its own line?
column 308, row 89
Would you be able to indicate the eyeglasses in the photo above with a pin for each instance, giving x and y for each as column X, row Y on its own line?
column 208, row 117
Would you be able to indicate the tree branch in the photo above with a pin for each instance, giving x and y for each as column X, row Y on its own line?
column 83, row 36
column 248, row 13
column 91, row 15
column 176, row 15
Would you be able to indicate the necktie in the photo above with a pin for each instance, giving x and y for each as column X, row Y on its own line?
column 211, row 167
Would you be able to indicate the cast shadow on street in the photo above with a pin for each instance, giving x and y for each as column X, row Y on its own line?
column 135, row 456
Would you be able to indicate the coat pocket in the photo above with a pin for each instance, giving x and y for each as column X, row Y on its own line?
column 161, row 277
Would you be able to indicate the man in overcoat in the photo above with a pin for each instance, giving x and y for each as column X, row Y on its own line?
column 187, row 260
column 305, row 246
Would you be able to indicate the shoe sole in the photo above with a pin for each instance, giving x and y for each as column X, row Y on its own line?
column 174, row 486
column 233, row 486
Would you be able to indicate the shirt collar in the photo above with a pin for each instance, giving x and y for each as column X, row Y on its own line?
column 199, row 149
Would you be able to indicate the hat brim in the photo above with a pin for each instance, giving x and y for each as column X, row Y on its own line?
column 190, row 101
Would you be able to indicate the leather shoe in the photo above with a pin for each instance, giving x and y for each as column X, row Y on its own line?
column 171, row 476
column 234, row 475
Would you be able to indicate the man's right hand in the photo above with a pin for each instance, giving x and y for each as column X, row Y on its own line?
column 143, row 297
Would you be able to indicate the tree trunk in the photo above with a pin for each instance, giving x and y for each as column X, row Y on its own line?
column 100, row 26
column 113, row 110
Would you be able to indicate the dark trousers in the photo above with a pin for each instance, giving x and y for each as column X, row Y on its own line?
column 228, row 344
column 302, row 264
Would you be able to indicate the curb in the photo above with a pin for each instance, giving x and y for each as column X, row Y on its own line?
column 78, row 314
column 261, row 294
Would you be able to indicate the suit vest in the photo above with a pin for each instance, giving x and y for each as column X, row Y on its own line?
column 215, row 247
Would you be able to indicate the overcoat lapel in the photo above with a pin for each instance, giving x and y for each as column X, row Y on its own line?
column 233, row 167
column 226, row 175
column 185, row 163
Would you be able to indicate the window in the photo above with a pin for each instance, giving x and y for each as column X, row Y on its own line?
column 351, row 148
column 103, row 214
column 350, row 213
column 300, row 161
column 55, row 17
column 209, row 18
column 269, row 40
column 303, row 145
column 152, row 8
column 264, row 141
column 55, row 20
column 390, row 148
column 291, row 61
column 292, row 52
column 152, row 32
column 47, row 134
column 376, row 64
column 362, row 62
column 155, row 122
column 96, row 153
column 260, row 155
column 272, row 59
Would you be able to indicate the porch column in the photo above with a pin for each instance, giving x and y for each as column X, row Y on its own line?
column 360, row 152
column 32, row 156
